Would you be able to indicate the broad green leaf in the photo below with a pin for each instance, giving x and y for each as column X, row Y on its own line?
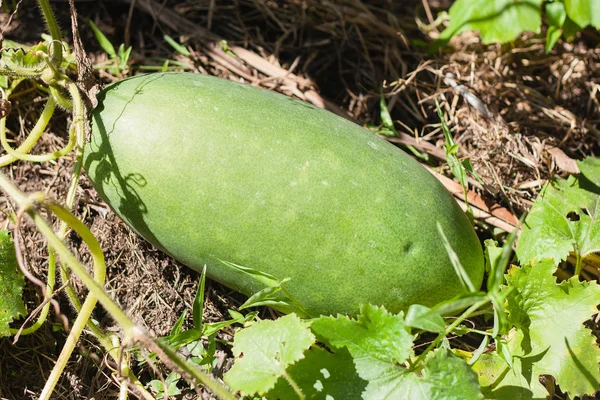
column 24, row 58
column 556, row 14
column 584, row 12
column 570, row 29
column 264, row 350
column 565, row 218
column 498, row 21
column 590, row 174
column 551, row 317
column 449, row 377
column 11, row 284
column 380, row 344
column 378, row 340
column 321, row 374
column 499, row 380
column 444, row 377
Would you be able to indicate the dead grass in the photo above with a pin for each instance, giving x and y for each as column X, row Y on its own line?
column 340, row 55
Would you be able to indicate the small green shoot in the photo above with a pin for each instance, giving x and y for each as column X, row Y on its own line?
column 181, row 49
column 273, row 295
column 198, row 306
column 192, row 338
column 167, row 388
column 388, row 129
column 118, row 58
column 459, row 168
column 458, row 268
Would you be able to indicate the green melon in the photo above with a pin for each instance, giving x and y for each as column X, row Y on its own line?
column 209, row 170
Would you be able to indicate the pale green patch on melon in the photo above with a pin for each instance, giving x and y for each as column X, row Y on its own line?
column 207, row 169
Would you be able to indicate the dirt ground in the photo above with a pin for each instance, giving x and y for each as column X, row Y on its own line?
column 534, row 114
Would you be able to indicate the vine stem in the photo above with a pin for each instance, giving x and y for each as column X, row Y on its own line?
column 37, row 131
column 84, row 311
column 33, row 136
column 132, row 333
column 56, row 56
column 57, row 80
column 90, row 302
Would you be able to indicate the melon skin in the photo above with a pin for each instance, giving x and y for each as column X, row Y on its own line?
column 207, row 169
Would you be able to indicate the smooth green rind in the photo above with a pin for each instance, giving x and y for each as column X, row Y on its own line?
column 207, row 170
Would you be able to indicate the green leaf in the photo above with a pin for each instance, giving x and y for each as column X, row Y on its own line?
column 386, row 118
column 570, row 29
column 262, row 277
column 468, row 166
column 422, row 317
column 551, row 317
column 498, row 266
column 459, row 303
column 492, row 254
column 264, row 350
column 11, row 284
column 181, row 49
column 499, row 380
column 321, row 374
column 378, row 340
column 462, row 274
column 178, row 326
column 237, row 318
column 103, row 40
column 183, row 338
column 380, row 343
column 590, row 173
column 444, row 377
column 449, row 377
column 171, row 388
column 498, row 21
column 564, row 218
column 20, row 58
column 584, row 12
column 198, row 305
column 556, row 14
